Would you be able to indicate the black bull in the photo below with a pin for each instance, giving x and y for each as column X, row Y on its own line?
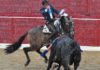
column 65, row 52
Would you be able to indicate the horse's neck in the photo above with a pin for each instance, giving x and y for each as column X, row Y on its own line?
column 51, row 27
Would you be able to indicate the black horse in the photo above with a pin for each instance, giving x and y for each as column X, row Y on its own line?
column 66, row 51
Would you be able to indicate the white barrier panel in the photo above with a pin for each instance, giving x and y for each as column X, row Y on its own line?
column 84, row 48
column 92, row 19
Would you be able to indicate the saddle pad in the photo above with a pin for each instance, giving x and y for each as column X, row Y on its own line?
column 45, row 29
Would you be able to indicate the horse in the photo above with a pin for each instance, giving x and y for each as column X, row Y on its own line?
column 69, row 53
column 75, row 57
column 65, row 52
column 36, row 39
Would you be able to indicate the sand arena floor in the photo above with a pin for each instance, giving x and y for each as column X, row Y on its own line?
column 16, row 60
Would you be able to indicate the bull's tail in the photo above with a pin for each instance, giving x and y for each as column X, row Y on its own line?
column 12, row 48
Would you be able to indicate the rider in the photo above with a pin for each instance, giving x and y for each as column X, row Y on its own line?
column 48, row 12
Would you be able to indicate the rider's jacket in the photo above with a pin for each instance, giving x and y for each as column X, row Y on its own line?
column 49, row 13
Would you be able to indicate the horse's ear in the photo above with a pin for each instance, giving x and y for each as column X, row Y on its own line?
column 62, row 18
column 68, row 17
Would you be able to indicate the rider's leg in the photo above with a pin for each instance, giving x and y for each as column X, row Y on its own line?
column 54, row 33
column 52, row 44
column 46, row 51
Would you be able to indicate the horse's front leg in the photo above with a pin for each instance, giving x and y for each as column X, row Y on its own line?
column 45, row 57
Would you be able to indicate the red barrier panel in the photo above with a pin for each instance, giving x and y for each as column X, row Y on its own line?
column 87, row 32
column 6, row 30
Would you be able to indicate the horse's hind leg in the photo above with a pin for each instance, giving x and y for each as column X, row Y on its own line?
column 66, row 67
column 77, row 60
column 26, row 50
column 59, row 66
column 65, row 62
column 76, row 66
column 45, row 57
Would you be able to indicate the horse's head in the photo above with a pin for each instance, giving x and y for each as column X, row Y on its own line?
column 64, row 22
column 64, row 18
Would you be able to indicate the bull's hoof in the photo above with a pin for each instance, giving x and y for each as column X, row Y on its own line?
column 27, row 63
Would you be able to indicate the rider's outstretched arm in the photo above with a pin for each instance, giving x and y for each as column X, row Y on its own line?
column 55, row 10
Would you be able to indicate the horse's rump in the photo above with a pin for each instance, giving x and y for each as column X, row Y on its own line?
column 63, row 47
column 66, row 51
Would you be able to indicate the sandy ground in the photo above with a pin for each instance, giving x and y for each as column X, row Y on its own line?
column 15, row 61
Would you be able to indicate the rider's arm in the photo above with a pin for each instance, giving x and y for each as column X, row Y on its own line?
column 42, row 11
column 56, row 11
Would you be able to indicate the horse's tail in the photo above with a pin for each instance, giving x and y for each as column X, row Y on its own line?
column 12, row 48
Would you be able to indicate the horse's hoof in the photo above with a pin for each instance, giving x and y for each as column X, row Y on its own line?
column 55, row 66
column 46, row 61
column 27, row 63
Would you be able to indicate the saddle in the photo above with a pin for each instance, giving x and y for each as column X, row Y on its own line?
column 51, row 27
